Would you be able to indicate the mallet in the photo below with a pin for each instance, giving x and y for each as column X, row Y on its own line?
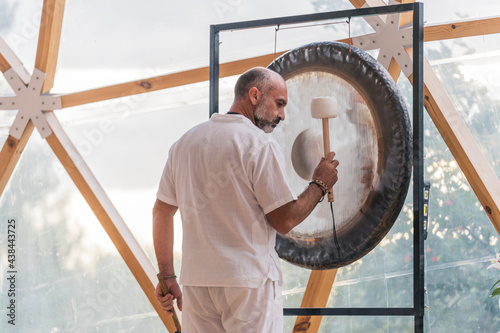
column 164, row 290
column 325, row 108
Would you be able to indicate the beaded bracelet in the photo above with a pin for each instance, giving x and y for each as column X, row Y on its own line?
column 165, row 277
column 322, row 186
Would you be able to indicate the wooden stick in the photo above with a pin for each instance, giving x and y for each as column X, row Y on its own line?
column 164, row 290
column 326, row 147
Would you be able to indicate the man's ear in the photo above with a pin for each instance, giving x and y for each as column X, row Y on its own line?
column 254, row 95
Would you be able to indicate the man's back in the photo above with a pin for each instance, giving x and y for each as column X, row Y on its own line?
column 225, row 175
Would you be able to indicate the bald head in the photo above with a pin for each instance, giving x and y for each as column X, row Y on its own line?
column 259, row 77
column 260, row 95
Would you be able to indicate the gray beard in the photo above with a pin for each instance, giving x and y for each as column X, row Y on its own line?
column 262, row 123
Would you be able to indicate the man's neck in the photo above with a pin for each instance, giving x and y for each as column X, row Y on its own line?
column 239, row 109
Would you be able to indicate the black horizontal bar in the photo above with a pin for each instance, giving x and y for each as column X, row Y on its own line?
column 349, row 311
column 367, row 11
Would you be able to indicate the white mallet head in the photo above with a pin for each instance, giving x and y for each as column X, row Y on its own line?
column 324, row 107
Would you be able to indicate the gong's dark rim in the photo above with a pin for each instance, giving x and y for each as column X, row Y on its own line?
column 385, row 201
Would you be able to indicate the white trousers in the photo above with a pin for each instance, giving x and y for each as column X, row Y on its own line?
column 233, row 310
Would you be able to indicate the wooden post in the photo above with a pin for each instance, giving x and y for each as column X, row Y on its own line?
column 316, row 295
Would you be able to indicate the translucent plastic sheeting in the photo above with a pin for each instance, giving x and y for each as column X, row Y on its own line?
column 436, row 12
column 5, row 89
column 458, row 289
column 68, row 275
column 6, row 120
column 471, row 80
column 127, row 154
column 6, row 116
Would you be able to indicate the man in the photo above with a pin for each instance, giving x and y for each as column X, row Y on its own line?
column 227, row 177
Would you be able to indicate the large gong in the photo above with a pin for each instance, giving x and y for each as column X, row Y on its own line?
column 372, row 140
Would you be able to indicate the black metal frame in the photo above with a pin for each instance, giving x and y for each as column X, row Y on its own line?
column 417, row 311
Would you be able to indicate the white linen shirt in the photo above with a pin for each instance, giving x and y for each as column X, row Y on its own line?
column 225, row 175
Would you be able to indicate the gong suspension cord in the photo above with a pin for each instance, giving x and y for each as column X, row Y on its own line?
column 308, row 26
column 276, row 39
column 334, row 231
column 350, row 39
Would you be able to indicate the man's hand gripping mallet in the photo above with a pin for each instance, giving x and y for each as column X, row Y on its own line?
column 325, row 108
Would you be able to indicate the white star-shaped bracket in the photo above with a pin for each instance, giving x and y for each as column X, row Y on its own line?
column 390, row 38
column 30, row 103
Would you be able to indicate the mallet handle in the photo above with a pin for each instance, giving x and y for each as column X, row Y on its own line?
column 326, row 146
column 164, row 290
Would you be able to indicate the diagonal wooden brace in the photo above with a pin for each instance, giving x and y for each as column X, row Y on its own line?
column 462, row 145
column 116, row 228
column 317, row 293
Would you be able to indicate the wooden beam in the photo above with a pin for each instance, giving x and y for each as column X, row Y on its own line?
column 162, row 82
column 462, row 29
column 123, row 239
column 445, row 31
column 394, row 70
column 48, row 40
column 462, row 145
column 4, row 64
column 240, row 66
column 317, row 293
column 135, row 87
column 406, row 17
column 10, row 154
column 357, row 3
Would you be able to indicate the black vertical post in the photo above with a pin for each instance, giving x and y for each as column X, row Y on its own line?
column 214, row 71
column 418, row 168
